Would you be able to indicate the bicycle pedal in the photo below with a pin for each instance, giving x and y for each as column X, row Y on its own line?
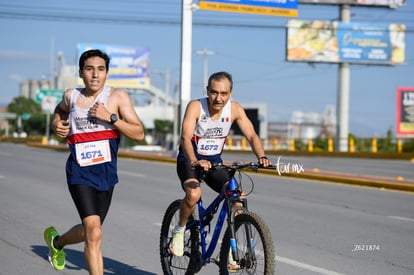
column 233, row 268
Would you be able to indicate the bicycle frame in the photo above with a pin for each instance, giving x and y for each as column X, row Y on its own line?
column 230, row 196
column 246, row 234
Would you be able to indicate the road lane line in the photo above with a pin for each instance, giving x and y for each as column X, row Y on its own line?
column 306, row 266
column 285, row 260
column 401, row 218
column 132, row 174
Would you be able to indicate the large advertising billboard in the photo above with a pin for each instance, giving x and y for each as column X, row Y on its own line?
column 379, row 3
column 336, row 42
column 129, row 66
column 405, row 112
column 261, row 7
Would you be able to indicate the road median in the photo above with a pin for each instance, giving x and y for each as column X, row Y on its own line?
column 345, row 178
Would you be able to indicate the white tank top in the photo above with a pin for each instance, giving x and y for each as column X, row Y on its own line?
column 210, row 135
column 80, row 120
column 92, row 142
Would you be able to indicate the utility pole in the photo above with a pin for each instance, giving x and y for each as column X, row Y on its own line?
column 343, row 92
column 186, row 45
column 166, row 75
column 51, row 84
column 205, row 53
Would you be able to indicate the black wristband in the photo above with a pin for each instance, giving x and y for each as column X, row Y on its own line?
column 263, row 157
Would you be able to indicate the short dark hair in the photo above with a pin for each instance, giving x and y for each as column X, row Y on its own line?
column 218, row 76
column 92, row 53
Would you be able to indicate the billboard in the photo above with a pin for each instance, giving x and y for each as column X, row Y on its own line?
column 336, row 42
column 261, row 7
column 405, row 112
column 378, row 3
column 129, row 67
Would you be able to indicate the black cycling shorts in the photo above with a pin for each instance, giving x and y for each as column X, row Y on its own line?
column 89, row 201
column 215, row 178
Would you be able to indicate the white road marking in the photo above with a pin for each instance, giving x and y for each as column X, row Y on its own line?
column 298, row 264
column 401, row 218
column 306, row 266
column 132, row 174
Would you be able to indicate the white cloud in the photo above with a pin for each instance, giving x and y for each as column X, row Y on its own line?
column 21, row 55
column 16, row 77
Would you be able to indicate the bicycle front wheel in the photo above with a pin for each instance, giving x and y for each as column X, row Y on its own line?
column 255, row 247
column 186, row 264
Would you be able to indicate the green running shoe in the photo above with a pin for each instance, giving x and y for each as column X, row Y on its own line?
column 56, row 256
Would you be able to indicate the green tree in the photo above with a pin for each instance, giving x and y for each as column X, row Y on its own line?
column 408, row 145
column 20, row 106
column 300, row 145
column 386, row 144
column 162, row 128
column 126, row 142
column 36, row 124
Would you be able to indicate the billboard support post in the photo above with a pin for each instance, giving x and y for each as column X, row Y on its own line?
column 343, row 93
column 186, row 51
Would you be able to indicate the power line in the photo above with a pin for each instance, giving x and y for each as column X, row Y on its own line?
column 124, row 20
column 162, row 13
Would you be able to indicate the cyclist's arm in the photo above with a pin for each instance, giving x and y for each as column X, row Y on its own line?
column 188, row 127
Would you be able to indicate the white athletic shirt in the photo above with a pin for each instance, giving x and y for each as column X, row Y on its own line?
column 210, row 135
column 93, row 144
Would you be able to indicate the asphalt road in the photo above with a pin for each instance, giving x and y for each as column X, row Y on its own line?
column 388, row 168
column 317, row 227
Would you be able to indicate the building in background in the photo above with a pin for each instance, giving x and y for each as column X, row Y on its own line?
column 152, row 103
column 310, row 125
column 304, row 126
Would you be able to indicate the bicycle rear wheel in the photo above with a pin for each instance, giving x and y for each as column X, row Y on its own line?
column 254, row 246
column 189, row 262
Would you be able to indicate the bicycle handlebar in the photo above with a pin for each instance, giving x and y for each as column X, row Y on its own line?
column 243, row 165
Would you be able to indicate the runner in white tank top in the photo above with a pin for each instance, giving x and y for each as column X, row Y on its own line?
column 91, row 119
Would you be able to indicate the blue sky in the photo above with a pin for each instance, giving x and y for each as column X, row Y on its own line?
column 251, row 47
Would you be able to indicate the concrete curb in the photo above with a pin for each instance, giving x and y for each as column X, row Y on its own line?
column 360, row 180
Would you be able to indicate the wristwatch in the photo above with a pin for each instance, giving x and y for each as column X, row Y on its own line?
column 113, row 118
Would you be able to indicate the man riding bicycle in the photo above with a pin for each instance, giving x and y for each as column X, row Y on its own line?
column 206, row 125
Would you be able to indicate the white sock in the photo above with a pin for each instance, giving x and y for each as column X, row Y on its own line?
column 179, row 228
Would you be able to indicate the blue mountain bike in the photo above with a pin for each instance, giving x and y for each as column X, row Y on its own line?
column 247, row 240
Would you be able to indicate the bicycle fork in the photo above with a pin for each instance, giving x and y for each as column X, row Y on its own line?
column 231, row 223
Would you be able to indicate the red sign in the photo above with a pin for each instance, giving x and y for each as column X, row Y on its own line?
column 405, row 111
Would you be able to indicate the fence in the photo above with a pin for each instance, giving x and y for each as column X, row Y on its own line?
column 372, row 145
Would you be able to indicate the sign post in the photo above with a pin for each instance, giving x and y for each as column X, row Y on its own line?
column 48, row 99
column 275, row 8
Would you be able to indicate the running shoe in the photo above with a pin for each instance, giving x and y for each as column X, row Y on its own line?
column 177, row 243
column 56, row 256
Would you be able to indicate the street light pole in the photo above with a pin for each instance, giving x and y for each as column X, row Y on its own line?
column 51, row 84
column 166, row 75
column 204, row 52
